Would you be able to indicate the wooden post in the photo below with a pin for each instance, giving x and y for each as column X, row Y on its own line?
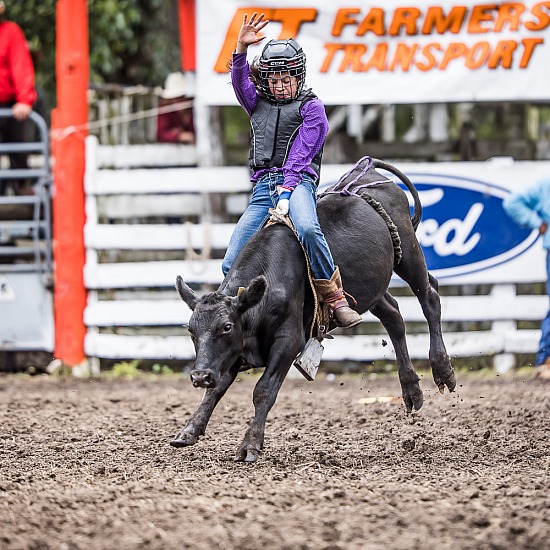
column 72, row 71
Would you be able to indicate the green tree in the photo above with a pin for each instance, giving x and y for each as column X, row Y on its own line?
column 131, row 41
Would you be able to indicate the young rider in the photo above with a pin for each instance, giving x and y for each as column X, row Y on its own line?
column 288, row 130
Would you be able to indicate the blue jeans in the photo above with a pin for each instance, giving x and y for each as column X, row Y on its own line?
column 302, row 212
column 544, row 344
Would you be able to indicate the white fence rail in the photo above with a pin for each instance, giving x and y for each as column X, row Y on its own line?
column 133, row 310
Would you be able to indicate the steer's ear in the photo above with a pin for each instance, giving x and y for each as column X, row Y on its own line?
column 187, row 295
column 251, row 295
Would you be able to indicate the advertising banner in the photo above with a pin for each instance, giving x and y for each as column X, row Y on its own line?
column 392, row 51
column 465, row 234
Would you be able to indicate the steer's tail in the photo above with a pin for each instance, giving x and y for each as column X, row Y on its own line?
column 417, row 213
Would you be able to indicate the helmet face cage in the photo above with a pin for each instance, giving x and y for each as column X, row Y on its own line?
column 281, row 59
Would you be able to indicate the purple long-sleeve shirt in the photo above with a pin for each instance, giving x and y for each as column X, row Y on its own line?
column 311, row 134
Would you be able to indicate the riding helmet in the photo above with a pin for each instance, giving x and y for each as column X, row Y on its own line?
column 281, row 56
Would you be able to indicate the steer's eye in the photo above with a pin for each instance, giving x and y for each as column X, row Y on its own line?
column 227, row 328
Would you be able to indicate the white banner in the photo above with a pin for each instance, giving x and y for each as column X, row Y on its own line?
column 392, row 51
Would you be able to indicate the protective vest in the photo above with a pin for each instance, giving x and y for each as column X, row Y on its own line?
column 273, row 129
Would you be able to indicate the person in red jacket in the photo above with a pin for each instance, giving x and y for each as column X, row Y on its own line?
column 17, row 91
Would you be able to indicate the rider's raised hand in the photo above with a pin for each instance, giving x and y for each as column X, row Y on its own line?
column 250, row 28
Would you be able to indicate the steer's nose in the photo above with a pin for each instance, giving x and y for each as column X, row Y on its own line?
column 202, row 379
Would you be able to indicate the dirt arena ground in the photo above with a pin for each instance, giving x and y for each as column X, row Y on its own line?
column 87, row 465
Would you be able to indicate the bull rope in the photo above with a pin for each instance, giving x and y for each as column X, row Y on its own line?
column 351, row 189
column 394, row 233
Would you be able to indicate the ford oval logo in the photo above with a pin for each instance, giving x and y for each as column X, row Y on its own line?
column 464, row 227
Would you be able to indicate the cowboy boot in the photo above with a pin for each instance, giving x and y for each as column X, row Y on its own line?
column 332, row 293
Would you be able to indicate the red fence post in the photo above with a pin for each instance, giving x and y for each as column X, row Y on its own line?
column 72, row 71
column 187, row 34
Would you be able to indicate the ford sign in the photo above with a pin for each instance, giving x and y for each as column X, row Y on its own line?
column 464, row 227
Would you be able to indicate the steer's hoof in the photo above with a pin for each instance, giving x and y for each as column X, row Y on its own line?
column 247, row 455
column 450, row 380
column 418, row 401
column 413, row 401
column 443, row 372
column 184, row 441
column 447, row 379
column 251, row 456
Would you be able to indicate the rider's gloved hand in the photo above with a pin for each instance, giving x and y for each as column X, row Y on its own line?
column 284, row 200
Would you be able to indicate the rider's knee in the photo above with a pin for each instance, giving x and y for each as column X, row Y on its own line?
column 309, row 232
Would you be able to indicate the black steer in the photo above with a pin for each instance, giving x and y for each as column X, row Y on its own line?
column 267, row 324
